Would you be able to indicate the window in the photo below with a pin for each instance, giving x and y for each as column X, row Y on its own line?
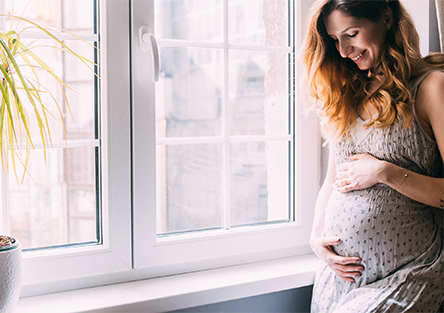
column 212, row 165
column 98, row 140
column 217, row 141
column 58, row 203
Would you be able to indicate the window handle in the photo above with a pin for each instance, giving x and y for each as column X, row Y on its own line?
column 147, row 42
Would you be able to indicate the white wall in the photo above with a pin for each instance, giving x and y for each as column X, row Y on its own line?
column 424, row 15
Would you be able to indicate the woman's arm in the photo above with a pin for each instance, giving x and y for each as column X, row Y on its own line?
column 323, row 197
column 366, row 171
column 345, row 267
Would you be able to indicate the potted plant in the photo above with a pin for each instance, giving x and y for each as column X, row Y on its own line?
column 22, row 108
column 10, row 272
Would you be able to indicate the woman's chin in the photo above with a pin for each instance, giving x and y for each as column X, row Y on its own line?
column 363, row 67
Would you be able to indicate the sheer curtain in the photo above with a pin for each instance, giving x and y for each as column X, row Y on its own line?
column 440, row 13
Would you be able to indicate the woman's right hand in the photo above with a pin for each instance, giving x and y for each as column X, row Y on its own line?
column 348, row 268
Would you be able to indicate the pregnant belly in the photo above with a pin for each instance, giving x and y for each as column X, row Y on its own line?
column 384, row 233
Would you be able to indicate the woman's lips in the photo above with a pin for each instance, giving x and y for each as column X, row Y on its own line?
column 358, row 57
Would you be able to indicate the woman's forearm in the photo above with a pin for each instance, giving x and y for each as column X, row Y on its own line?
column 364, row 171
column 421, row 188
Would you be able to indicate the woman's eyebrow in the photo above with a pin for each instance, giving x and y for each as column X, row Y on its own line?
column 344, row 31
column 348, row 28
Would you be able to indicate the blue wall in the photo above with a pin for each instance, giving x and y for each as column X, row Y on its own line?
column 293, row 300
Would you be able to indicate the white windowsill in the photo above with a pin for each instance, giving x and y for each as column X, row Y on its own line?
column 182, row 291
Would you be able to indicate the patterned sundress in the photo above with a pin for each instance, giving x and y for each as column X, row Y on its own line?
column 398, row 239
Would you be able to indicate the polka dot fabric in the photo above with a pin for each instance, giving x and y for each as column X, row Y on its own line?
column 398, row 239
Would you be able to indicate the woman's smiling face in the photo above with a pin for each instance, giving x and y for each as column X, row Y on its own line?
column 360, row 40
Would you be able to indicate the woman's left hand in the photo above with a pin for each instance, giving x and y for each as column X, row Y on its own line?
column 361, row 173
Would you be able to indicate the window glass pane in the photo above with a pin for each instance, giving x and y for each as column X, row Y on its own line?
column 72, row 15
column 56, row 204
column 194, row 20
column 58, row 201
column 259, row 94
column 80, row 121
column 258, row 22
column 189, row 193
column 189, row 92
column 259, row 182
column 232, row 97
column 78, row 15
column 79, row 118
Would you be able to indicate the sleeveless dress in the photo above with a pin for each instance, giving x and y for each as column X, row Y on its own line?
column 398, row 239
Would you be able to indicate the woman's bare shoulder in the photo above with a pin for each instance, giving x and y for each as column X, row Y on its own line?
column 431, row 91
column 430, row 103
column 433, row 81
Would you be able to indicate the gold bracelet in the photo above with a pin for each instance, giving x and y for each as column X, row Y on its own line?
column 405, row 176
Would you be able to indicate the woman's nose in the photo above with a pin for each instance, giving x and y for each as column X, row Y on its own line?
column 344, row 49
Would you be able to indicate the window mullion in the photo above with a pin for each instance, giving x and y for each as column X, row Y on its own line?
column 225, row 125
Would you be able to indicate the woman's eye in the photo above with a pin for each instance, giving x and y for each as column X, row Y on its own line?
column 353, row 35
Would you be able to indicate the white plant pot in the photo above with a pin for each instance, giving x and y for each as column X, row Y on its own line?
column 10, row 277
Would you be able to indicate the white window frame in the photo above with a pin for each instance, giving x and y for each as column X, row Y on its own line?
column 131, row 249
column 202, row 250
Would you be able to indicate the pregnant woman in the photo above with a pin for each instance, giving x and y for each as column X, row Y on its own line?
column 382, row 114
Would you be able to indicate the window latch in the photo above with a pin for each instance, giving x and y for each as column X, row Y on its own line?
column 148, row 42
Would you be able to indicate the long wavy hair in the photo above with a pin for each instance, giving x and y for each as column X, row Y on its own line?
column 339, row 86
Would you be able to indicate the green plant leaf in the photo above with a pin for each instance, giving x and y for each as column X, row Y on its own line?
column 18, row 89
